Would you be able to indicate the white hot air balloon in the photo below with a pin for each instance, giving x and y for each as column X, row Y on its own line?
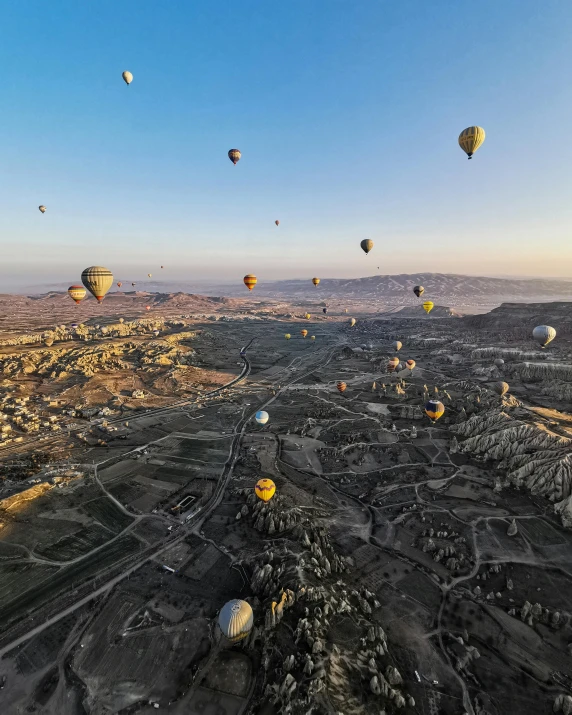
column 543, row 334
column 127, row 77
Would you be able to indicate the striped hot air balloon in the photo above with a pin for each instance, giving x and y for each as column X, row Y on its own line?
column 250, row 281
column 434, row 409
column 265, row 489
column 392, row 364
column 315, row 281
column 234, row 155
column 303, row 333
column 341, row 386
column 98, row 280
column 470, row 139
column 77, row 293
column 235, row 620
column 428, row 306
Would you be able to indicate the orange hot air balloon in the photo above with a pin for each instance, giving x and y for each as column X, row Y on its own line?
column 119, row 284
column 277, row 222
column 341, row 386
column 250, row 281
column 234, row 155
column 315, row 281
column 392, row 364
column 77, row 293
column 147, row 307
column 303, row 333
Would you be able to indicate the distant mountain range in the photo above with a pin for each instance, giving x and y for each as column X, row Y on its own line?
column 452, row 287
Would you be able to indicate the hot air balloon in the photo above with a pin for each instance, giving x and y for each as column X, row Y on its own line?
column 341, row 386
column 147, row 307
column 98, row 280
column 235, row 620
column 162, row 266
column 352, row 322
column 48, row 342
column 261, row 417
column 410, row 364
column 315, row 281
column 121, row 320
column 77, row 293
column 287, row 336
column 277, row 222
column 312, row 337
column 397, row 345
column 324, row 311
column 501, row 388
column 303, row 333
column 119, row 284
column 427, row 306
column 366, row 245
column 419, row 290
column 265, row 489
column 42, row 209
column 234, row 155
column 307, row 316
column 543, row 334
column 250, row 281
column 470, row 140
column 434, row 409
column 148, row 275
column 346, row 310
column 499, row 362
column 392, row 363
column 133, row 284
column 127, row 77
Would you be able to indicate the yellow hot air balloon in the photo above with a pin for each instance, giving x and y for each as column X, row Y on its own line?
column 341, row 386
column 427, row 306
column 312, row 337
column 303, row 333
column 265, row 489
column 287, row 336
column 470, row 139
column 307, row 316
column 42, row 209
column 77, row 293
column 148, row 275
column 366, row 245
column 250, row 281
column 315, row 281
column 234, row 155
column 352, row 322
column 98, row 280
column 434, row 409
column 127, row 77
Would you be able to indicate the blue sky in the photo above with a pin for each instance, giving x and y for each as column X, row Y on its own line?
column 347, row 115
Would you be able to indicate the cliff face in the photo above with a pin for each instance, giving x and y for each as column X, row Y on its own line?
column 521, row 318
column 533, row 456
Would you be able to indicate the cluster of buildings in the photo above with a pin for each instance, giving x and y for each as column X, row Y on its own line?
column 25, row 414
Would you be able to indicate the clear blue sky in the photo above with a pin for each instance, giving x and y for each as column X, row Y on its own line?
column 347, row 114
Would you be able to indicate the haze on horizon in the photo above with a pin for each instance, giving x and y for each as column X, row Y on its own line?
column 347, row 116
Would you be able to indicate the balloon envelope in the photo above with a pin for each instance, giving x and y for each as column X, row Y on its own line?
column 234, row 155
column 262, row 417
column 235, row 619
column 265, row 489
column 42, row 209
column 127, row 77
column 392, row 363
column 352, row 322
column 366, row 245
column 287, row 336
column 470, row 139
column 98, row 280
column 410, row 364
column 77, row 293
column 315, row 281
column 427, row 306
column 501, row 388
column 303, row 333
column 277, row 223
column 499, row 362
column 341, row 386
column 434, row 409
column 250, row 281
column 544, row 334
column 397, row 345
column 419, row 290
